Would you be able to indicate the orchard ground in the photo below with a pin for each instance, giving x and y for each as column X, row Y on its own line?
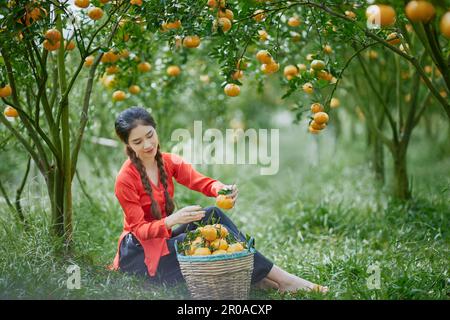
column 321, row 217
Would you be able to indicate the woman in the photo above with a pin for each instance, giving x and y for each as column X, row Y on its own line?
column 145, row 189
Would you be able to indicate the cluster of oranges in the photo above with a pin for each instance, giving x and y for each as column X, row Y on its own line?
column 383, row 15
column 110, row 58
column 317, row 70
column 224, row 21
column 52, row 40
column 268, row 63
column 319, row 119
column 231, row 89
column 95, row 13
column 211, row 239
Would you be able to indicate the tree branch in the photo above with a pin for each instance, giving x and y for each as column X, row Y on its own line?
column 381, row 100
column 25, row 118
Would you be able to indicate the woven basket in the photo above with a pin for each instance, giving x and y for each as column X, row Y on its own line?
column 219, row 277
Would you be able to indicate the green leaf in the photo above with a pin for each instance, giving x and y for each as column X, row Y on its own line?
column 225, row 192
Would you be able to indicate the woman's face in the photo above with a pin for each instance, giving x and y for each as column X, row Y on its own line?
column 144, row 141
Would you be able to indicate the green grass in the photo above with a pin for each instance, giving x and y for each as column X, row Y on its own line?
column 321, row 217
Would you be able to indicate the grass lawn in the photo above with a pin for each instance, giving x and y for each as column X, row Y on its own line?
column 321, row 217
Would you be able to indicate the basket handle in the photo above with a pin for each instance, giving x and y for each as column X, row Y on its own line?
column 251, row 244
column 176, row 247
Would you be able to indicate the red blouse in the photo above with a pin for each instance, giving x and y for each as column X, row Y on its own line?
column 135, row 202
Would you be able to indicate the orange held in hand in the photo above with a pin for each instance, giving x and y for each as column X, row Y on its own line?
column 224, row 202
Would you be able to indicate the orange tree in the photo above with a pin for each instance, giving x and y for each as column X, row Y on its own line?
column 393, row 100
column 280, row 34
column 410, row 37
column 298, row 40
column 43, row 48
column 311, row 43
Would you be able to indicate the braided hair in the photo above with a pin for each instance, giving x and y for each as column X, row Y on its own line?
column 125, row 122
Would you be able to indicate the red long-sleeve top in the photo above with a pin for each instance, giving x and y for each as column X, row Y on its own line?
column 136, row 204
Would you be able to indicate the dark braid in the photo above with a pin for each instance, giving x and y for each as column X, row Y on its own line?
column 170, row 207
column 156, row 212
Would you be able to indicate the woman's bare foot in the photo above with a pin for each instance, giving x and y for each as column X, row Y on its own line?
column 288, row 282
column 266, row 284
column 294, row 284
column 319, row 288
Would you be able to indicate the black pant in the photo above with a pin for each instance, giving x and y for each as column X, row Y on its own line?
column 131, row 253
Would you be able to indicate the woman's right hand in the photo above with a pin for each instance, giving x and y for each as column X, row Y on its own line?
column 185, row 215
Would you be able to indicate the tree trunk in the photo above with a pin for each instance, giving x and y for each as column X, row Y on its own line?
column 375, row 156
column 378, row 160
column 20, row 190
column 401, row 182
column 428, row 126
column 353, row 134
column 55, row 191
column 369, row 136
